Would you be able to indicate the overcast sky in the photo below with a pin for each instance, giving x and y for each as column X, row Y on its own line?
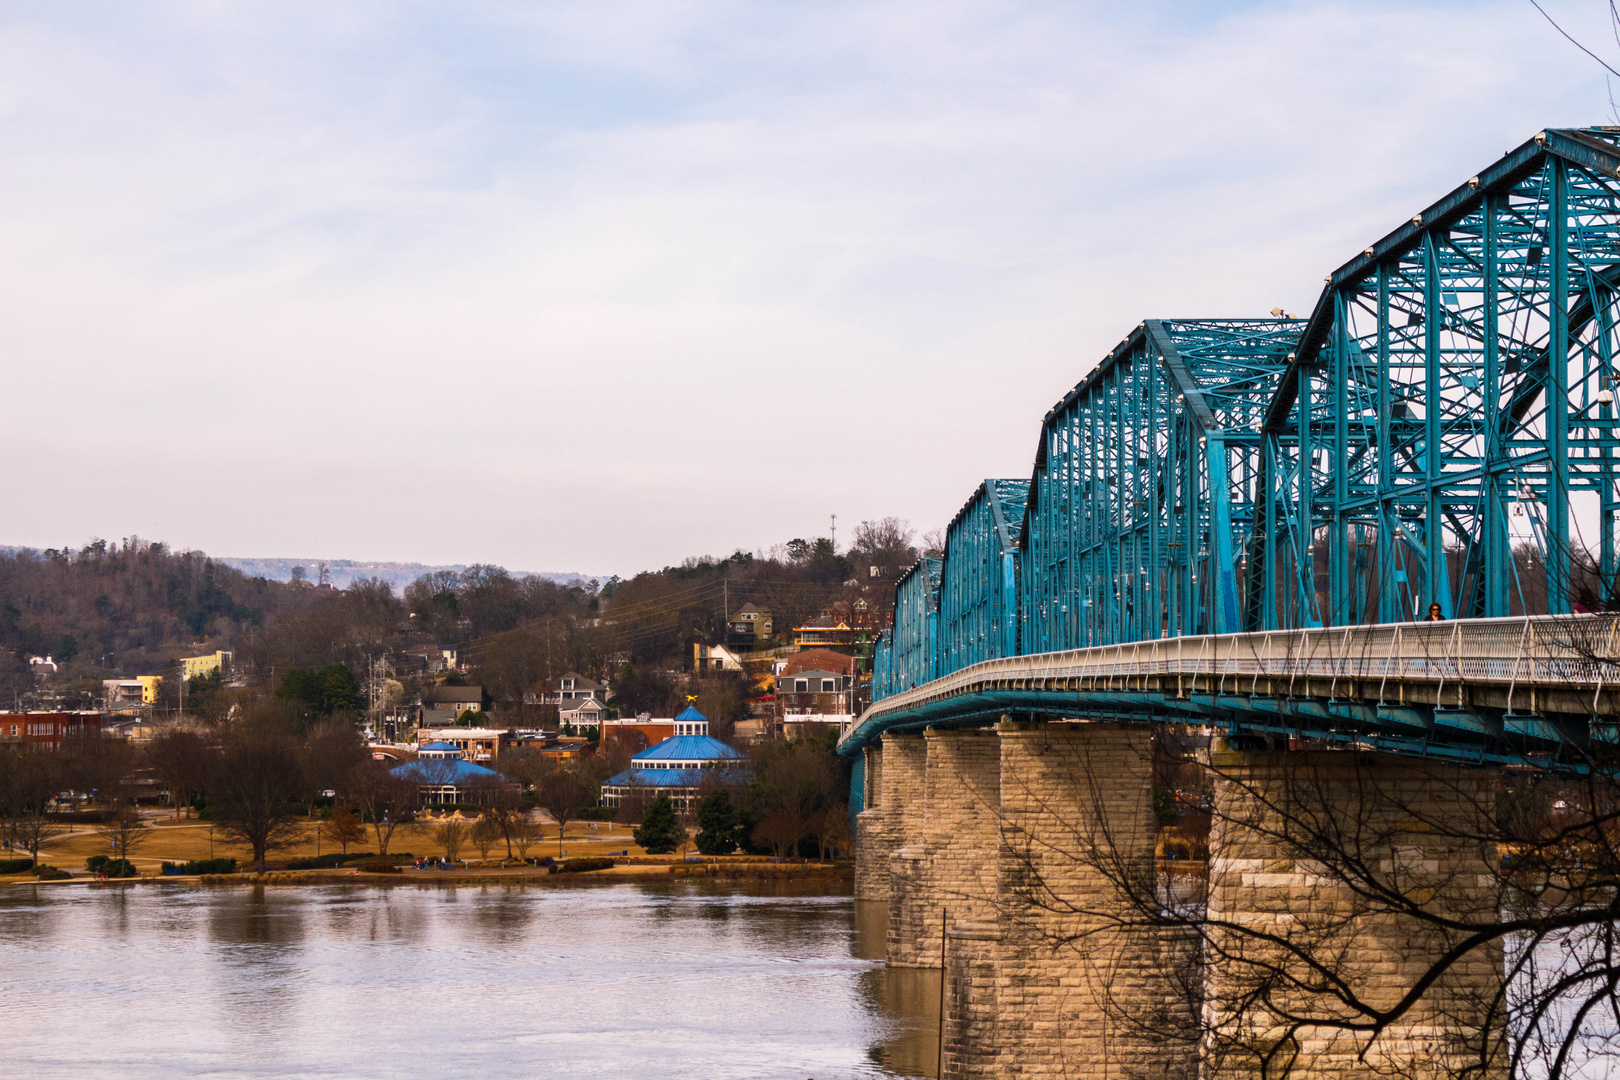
column 600, row 286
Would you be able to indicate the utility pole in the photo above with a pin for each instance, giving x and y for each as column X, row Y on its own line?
column 835, row 533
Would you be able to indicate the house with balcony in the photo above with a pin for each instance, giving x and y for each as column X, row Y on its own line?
column 748, row 627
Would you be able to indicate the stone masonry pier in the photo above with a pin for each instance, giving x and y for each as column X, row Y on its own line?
column 1031, row 847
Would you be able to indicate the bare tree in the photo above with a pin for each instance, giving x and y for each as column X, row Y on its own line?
column 331, row 751
column 449, row 835
column 182, row 760
column 1414, row 917
column 28, row 778
column 384, row 799
column 486, row 832
column 259, row 780
column 522, row 835
column 123, row 831
column 563, row 795
column 781, row 831
column 886, row 544
column 345, row 828
column 831, row 829
column 795, row 784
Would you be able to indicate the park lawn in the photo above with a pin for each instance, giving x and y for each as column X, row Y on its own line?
column 168, row 840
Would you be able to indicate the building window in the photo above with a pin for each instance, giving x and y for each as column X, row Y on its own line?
column 801, row 685
column 828, row 686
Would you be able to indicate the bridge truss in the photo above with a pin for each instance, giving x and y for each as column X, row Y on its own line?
column 1442, row 428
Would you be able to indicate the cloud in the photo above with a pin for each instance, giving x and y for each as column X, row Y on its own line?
column 299, row 277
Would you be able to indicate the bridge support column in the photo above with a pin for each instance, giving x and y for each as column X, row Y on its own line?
column 953, row 871
column 973, row 1046
column 1289, row 833
column 873, row 840
column 904, row 795
column 1056, row 985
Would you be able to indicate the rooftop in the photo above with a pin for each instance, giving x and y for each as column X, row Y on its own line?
column 689, row 748
column 444, row 771
column 677, row 777
column 452, row 693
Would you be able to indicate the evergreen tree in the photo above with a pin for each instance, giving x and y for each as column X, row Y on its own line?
column 659, row 834
column 717, row 824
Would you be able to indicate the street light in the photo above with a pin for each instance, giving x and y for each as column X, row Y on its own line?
column 210, row 843
column 317, row 840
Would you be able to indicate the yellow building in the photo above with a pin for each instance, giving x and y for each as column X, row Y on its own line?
column 193, row 666
column 124, row 695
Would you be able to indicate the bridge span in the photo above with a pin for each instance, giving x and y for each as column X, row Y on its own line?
column 1232, row 526
column 1512, row 690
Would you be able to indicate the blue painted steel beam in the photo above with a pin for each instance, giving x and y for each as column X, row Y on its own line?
column 1142, row 518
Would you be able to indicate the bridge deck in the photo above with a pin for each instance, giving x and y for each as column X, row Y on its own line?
column 1454, row 689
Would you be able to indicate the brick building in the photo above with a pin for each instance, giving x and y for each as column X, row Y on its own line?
column 50, row 730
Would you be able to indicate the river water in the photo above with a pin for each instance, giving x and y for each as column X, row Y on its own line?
column 690, row 979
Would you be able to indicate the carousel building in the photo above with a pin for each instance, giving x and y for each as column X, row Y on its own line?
column 679, row 766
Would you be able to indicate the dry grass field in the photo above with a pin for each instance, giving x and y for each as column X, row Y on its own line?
column 166, row 839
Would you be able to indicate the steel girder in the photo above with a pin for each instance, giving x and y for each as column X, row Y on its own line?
column 978, row 597
column 1457, row 375
column 913, row 654
column 1144, row 490
column 882, row 668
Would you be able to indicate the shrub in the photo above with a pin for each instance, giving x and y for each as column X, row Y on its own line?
column 96, row 863
column 15, row 866
column 51, row 873
column 378, row 866
column 118, row 868
column 1164, row 805
column 209, row 866
column 597, row 813
column 575, row 866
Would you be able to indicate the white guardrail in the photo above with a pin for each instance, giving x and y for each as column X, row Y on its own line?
column 1573, row 651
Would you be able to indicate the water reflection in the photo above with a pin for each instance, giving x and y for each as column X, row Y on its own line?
column 682, row 979
column 871, row 929
column 907, row 999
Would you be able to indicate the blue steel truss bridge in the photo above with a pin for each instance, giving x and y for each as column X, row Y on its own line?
column 1241, row 522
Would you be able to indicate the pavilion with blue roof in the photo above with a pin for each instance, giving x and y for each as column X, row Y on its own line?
column 679, row 765
column 444, row 775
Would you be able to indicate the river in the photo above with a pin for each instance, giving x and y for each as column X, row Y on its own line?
column 691, row 979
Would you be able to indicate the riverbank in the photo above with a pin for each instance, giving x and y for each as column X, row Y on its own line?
column 646, row 867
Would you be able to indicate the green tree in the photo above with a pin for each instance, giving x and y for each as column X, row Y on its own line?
column 320, row 692
column 659, row 834
column 717, row 824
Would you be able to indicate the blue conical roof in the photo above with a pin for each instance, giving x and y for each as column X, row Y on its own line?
column 690, row 715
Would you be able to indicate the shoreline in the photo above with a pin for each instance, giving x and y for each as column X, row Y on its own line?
column 636, row 871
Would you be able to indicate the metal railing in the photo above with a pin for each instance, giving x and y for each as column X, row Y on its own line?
column 1568, row 651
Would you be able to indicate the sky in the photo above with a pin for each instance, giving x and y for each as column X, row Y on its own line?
column 603, row 286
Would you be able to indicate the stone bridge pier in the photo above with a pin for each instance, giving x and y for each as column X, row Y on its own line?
column 1031, row 846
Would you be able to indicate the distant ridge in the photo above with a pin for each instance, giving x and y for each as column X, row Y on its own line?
column 344, row 572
